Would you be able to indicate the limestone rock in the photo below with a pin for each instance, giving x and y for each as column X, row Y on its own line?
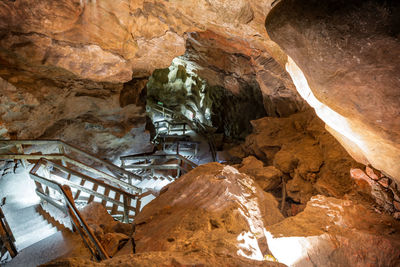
column 160, row 258
column 299, row 190
column 382, row 195
column 251, row 164
column 210, row 210
column 343, row 58
column 112, row 242
column 334, row 232
column 285, row 161
column 301, row 148
column 90, row 118
column 268, row 178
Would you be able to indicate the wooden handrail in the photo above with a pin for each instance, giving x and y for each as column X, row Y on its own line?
column 72, row 148
column 79, row 223
column 7, row 237
column 201, row 129
column 77, row 163
column 115, row 169
column 88, row 178
column 127, row 197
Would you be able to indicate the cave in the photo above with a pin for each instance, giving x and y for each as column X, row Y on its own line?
column 199, row 133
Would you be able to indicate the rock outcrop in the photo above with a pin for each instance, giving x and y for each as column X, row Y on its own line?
column 310, row 159
column 214, row 210
column 217, row 216
column 212, row 216
column 335, row 232
column 91, row 118
column 268, row 178
column 112, row 235
column 343, row 57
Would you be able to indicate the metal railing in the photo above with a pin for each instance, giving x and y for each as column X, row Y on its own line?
column 148, row 162
column 116, row 175
column 54, row 181
column 177, row 143
column 67, row 205
column 166, row 112
column 180, row 127
column 194, row 125
column 86, row 189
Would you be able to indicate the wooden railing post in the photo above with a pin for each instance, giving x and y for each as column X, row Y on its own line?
column 7, row 238
column 178, row 171
column 125, row 217
column 61, row 150
column 21, row 151
column 138, row 204
column 68, row 194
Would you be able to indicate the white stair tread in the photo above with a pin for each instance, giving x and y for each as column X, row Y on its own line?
column 35, row 236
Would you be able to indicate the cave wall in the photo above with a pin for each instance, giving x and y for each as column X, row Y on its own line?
column 91, row 118
column 59, row 47
column 347, row 71
column 230, row 63
column 180, row 88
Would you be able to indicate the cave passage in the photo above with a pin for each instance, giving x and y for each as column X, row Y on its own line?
column 199, row 133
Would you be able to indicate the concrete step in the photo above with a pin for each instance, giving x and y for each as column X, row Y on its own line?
column 28, row 226
column 35, row 236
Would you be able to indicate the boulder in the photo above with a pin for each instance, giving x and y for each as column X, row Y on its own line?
column 112, row 242
column 311, row 158
column 268, row 178
column 343, row 57
column 213, row 210
column 335, row 232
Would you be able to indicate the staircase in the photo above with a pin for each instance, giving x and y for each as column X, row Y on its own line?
column 63, row 178
column 33, row 228
column 173, row 121
column 58, row 179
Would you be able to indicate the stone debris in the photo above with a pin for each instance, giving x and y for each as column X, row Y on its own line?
column 336, row 232
column 112, row 234
column 309, row 158
column 269, row 178
column 383, row 190
column 203, row 220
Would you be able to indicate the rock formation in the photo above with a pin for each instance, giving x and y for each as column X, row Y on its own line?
column 343, row 57
column 298, row 147
column 79, row 70
column 56, row 45
column 212, row 216
column 337, row 233
column 217, row 216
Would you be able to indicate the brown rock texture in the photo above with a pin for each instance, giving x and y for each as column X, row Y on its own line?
column 91, row 118
column 54, row 49
column 217, row 216
column 214, row 210
column 112, row 235
column 243, row 71
column 268, row 178
column 160, row 258
column 344, row 52
column 300, row 147
column 383, row 190
column 212, row 216
column 335, row 232
column 343, row 57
